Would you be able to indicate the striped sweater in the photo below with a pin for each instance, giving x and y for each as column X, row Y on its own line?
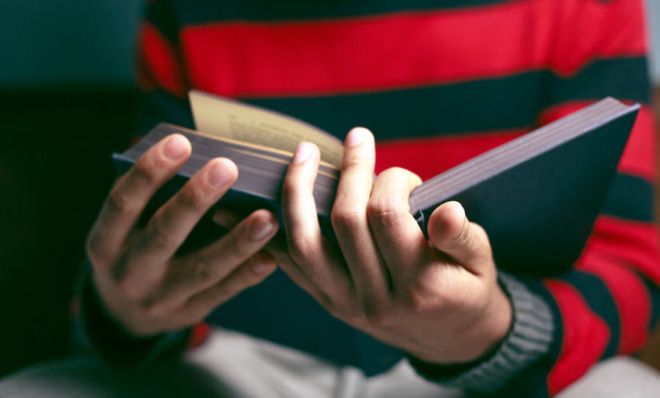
column 439, row 82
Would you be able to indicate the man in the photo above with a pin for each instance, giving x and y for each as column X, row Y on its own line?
column 437, row 83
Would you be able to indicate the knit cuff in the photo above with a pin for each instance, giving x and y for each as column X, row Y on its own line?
column 528, row 340
column 96, row 331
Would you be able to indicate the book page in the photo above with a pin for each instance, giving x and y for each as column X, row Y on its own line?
column 226, row 118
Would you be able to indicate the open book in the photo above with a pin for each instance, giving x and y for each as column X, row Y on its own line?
column 537, row 196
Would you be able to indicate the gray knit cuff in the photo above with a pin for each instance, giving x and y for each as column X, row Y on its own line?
column 528, row 340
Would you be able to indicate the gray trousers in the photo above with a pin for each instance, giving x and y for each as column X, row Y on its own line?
column 233, row 365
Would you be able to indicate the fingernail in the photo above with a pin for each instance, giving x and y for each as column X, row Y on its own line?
column 261, row 228
column 175, row 147
column 456, row 208
column 303, row 152
column 225, row 218
column 262, row 268
column 218, row 176
column 356, row 136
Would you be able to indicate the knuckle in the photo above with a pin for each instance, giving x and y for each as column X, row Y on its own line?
column 347, row 313
column 157, row 235
column 325, row 302
column 246, row 278
column 291, row 188
column 414, row 302
column 347, row 218
column 384, row 209
column 145, row 170
column 243, row 242
column 221, row 294
column 118, row 271
column 351, row 161
column 299, row 249
column 239, row 246
column 378, row 315
column 151, row 307
column 193, row 198
column 119, row 202
column 95, row 249
column 252, row 275
column 128, row 289
column 464, row 236
column 202, row 270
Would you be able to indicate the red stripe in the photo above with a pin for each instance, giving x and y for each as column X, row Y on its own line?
column 405, row 49
column 632, row 301
column 585, row 336
column 625, row 242
column 200, row 332
column 639, row 156
column 161, row 63
column 428, row 157
column 598, row 29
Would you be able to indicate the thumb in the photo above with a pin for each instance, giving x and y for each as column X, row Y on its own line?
column 452, row 233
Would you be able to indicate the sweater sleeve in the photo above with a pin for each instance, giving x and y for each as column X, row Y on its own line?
column 161, row 98
column 609, row 301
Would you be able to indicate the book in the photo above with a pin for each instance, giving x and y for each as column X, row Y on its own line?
column 537, row 196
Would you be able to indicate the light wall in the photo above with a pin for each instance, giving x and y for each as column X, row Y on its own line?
column 653, row 13
column 67, row 42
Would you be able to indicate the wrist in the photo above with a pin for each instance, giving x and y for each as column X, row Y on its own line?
column 529, row 338
column 496, row 322
column 479, row 334
column 492, row 326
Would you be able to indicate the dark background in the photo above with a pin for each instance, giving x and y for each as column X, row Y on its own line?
column 66, row 103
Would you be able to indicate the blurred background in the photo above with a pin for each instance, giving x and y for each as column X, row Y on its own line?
column 66, row 102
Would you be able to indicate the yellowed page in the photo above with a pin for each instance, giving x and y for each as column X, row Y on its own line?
column 223, row 117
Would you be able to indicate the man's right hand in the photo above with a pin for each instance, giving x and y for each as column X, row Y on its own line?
column 143, row 284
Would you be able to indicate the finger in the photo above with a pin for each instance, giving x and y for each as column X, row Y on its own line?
column 132, row 192
column 250, row 273
column 349, row 216
column 197, row 272
column 451, row 232
column 172, row 223
column 279, row 252
column 227, row 219
column 399, row 238
column 306, row 245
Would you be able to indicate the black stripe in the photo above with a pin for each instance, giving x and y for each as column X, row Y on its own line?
column 424, row 111
column 600, row 300
column 159, row 107
column 630, row 197
column 623, row 78
column 162, row 16
column 654, row 294
column 474, row 106
column 205, row 11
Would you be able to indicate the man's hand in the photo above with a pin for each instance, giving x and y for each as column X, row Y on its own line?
column 438, row 299
column 137, row 275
